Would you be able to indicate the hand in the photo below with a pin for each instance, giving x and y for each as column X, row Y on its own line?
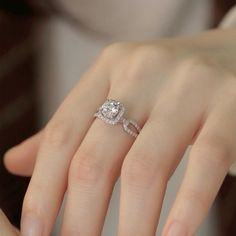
column 181, row 91
column 20, row 160
column 6, row 229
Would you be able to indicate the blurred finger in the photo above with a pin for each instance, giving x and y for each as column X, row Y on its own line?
column 20, row 160
column 150, row 163
column 209, row 162
column 94, row 170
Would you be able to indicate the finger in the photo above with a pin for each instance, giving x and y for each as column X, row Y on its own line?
column 20, row 160
column 151, row 161
column 209, row 162
column 6, row 228
column 94, row 170
column 62, row 137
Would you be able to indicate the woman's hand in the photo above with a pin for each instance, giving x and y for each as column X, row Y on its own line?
column 6, row 229
column 181, row 91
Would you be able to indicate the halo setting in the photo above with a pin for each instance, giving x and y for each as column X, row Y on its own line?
column 112, row 112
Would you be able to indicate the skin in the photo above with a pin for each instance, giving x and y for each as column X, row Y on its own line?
column 181, row 91
column 6, row 228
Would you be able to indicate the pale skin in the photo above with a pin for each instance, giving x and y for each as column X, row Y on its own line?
column 181, row 91
column 6, row 228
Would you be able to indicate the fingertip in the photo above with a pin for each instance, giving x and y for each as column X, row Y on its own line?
column 7, row 158
column 19, row 161
column 9, row 161
column 27, row 148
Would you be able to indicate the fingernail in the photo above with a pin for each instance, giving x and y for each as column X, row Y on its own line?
column 31, row 226
column 176, row 229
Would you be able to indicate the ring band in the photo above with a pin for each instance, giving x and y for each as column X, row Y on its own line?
column 112, row 111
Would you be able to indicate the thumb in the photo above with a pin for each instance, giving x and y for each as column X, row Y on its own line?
column 20, row 160
column 6, row 228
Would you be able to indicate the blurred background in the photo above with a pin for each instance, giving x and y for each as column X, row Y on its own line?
column 44, row 49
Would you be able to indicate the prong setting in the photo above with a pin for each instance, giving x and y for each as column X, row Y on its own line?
column 112, row 111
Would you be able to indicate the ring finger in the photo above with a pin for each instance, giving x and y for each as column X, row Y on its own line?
column 94, row 170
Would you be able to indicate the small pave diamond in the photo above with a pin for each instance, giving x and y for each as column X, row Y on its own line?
column 112, row 112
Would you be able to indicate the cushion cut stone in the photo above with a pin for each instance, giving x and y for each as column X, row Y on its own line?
column 110, row 109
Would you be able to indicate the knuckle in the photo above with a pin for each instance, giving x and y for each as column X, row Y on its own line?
column 140, row 173
column 88, row 169
column 144, row 56
column 194, row 76
column 197, row 68
column 196, row 198
column 212, row 152
column 142, row 59
column 115, row 49
column 197, row 62
column 56, row 134
column 153, row 52
column 85, row 171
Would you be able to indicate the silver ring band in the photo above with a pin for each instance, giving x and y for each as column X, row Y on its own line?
column 112, row 111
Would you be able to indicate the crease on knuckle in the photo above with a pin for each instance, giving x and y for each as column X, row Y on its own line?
column 56, row 134
column 201, row 200
column 213, row 152
column 139, row 173
column 195, row 77
column 87, row 169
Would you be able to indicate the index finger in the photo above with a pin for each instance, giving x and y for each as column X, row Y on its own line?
column 62, row 137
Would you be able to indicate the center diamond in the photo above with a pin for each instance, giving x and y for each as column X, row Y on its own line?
column 110, row 109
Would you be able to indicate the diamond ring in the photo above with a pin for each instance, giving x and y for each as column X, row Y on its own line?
column 112, row 111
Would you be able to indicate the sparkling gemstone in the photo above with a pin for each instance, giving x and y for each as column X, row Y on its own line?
column 110, row 109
